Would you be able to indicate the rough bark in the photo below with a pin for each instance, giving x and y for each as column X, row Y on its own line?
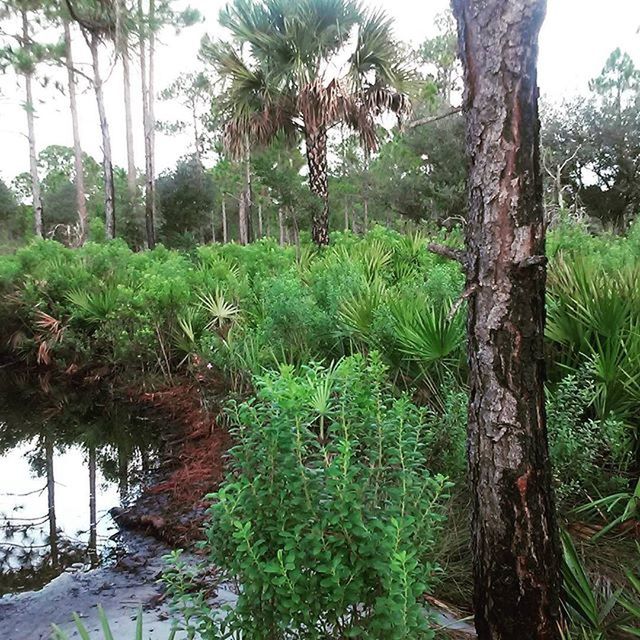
column 81, row 201
column 514, row 539
column 316, row 144
column 31, row 134
column 243, row 221
column 107, row 163
column 132, row 179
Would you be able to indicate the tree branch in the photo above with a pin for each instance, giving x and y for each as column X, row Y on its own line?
column 422, row 121
column 448, row 252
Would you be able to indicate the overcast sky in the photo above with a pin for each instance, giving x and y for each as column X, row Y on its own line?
column 576, row 39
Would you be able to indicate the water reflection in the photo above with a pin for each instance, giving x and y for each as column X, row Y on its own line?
column 66, row 458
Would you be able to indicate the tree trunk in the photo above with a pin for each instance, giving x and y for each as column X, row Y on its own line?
column 260, row 220
column 31, row 132
column 150, row 201
column 243, row 222
column 149, row 195
column 248, row 204
column 93, row 514
column 51, row 500
column 316, row 144
column 281, row 226
column 132, row 179
column 514, row 538
column 346, row 217
column 366, row 214
column 107, row 164
column 225, row 228
column 81, row 202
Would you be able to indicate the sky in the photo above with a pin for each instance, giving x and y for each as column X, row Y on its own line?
column 575, row 41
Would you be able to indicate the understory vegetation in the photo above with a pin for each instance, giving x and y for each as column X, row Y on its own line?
column 347, row 373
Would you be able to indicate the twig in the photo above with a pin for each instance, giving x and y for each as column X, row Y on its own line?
column 466, row 294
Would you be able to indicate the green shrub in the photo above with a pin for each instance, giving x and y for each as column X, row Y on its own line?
column 330, row 515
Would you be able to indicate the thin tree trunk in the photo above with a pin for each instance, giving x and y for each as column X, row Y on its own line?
column 81, row 201
column 196, row 133
column 260, row 220
column 93, row 514
column 514, row 539
column 248, row 204
column 366, row 213
column 107, row 164
column 132, row 179
column 281, row 226
column 225, row 228
column 213, row 226
column 149, row 195
column 31, row 132
column 51, row 500
column 268, row 225
column 346, row 217
column 150, row 201
column 123, row 473
column 316, row 144
column 243, row 224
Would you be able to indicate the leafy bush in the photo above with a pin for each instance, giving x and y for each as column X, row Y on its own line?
column 330, row 515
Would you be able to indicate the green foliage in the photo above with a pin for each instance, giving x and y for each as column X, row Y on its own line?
column 330, row 516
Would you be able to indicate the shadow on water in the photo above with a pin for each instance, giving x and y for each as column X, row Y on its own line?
column 66, row 458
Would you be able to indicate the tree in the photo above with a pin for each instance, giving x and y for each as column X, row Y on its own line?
column 287, row 83
column 514, row 538
column 98, row 22
column 596, row 143
column 9, row 214
column 23, row 59
column 186, row 198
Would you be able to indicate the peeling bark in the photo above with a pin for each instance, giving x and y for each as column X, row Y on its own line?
column 514, row 538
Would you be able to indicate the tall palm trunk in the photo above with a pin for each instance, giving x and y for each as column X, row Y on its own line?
column 31, row 134
column 316, row 143
column 515, row 547
column 147, row 126
column 128, row 120
column 81, row 201
column 107, row 163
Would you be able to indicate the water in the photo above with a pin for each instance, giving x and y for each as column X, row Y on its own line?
column 66, row 458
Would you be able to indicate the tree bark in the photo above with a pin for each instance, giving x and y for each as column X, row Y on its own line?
column 260, row 220
column 514, row 537
column 243, row 222
column 132, row 179
column 107, row 164
column 149, row 194
column 81, row 201
column 316, row 144
column 31, row 134
column 281, row 226
column 225, row 228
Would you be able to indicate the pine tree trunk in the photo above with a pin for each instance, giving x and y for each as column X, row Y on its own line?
column 31, row 133
column 366, row 214
column 260, row 220
column 81, row 201
column 346, row 218
column 514, row 538
column 107, row 164
column 248, row 204
column 225, row 228
column 93, row 513
column 243, row 225
column 132, row 179
column 316, row 144
column 281, row 226
column 150, row 200
column 149, row 195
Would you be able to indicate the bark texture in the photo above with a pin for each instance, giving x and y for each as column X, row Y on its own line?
column 128, row 119
column 107, row 163
column 81, row 201
column 316, row 144
column 31, row 134
column 514, row 540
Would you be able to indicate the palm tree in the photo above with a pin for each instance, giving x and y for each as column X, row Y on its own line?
column 301, row 67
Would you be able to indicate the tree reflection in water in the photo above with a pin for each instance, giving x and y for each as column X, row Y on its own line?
column 66, row 458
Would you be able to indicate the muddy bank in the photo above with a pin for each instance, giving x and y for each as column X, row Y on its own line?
column 121, row 589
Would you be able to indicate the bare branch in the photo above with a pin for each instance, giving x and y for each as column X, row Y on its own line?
column 466, row 294
column 422, row 121
column 448, row 252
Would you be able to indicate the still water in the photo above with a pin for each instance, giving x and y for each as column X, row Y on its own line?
column 66, row 459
